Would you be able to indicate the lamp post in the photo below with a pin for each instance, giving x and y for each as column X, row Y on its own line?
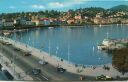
column 107, row 35
column 57, row 48
column 49, row 48
column 68, row 53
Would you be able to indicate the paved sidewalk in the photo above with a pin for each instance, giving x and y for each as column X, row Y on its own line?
column 18, row 74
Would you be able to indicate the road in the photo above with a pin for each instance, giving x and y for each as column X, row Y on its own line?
column 27, row 63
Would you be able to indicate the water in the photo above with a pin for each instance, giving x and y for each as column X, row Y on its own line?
column 77, row 45
column 2, row 76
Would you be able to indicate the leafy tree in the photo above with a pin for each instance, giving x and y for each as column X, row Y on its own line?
column 120, row 60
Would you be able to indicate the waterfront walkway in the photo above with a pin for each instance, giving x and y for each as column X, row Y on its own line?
column 70, row 67
column 14, row 70
column 27, row 63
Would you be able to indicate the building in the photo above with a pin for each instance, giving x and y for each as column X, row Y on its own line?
column 44, row 21
column 36, row 21
column 8, row 22
column 16, row 22
column 54, row 21
column 71, row 21
column 0, row 22
column 26, row 22
column 97, row 20
column 78, row 17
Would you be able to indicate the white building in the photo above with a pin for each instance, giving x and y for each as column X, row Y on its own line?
column 8, row 23
column 44, row 21
column 26, row 22
column 0, row 22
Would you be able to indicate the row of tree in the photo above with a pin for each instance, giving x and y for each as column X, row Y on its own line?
column 89, row 12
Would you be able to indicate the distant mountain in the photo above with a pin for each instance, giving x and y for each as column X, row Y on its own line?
column 120, row 8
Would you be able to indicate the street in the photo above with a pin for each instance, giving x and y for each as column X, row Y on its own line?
column 27, row 63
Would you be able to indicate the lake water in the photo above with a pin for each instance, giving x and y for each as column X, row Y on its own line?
column 77, row 45
column 2, row 76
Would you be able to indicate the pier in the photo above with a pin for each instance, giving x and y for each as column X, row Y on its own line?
column 113, row 44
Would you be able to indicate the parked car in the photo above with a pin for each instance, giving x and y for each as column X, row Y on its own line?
column 43, row 62
column 36, row 71
column 27, row 54
column 103, row 77
column 7, row 43
column 17, row 49
column 60, row 69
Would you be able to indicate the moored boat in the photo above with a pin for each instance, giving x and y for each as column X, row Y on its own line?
column 112, row 44
column 6, row 33
column 50, row 27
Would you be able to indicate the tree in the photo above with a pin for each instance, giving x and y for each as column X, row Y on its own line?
column 120, row 60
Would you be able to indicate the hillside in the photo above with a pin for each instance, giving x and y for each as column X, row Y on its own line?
column 120, row 8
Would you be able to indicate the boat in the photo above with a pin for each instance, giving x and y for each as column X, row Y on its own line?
column 112, row 44
column 50, row 27
column 6, row 33
column 100, row 25
column 101, row 47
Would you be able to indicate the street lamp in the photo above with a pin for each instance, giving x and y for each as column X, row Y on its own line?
column 49, row 48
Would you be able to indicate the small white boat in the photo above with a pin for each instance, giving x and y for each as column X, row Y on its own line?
column 6, row 33
column 50, row 27
column 101, row 47
column 100, row 25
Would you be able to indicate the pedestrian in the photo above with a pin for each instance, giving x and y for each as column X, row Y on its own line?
column 94, row 67
column 81, row 78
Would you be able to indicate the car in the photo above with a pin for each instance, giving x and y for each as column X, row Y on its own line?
column 36, row 71
column 42, row 62
column 7, row 43
column 60, row 69
column 103, row 77
column 17, row 49
column 27, row 54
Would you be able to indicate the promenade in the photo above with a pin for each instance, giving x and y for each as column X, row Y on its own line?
column 14, row 70
column 48, row 72
column 70, row 67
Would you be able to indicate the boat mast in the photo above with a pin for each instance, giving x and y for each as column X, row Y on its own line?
column 49, row 47
column 57, row 48
column 68, row 53
column 107, row 35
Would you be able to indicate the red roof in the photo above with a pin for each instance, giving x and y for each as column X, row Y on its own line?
column 43, row 19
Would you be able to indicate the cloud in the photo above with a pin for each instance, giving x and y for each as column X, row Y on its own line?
column 23, row 2
column 65, row 3
column 38, row 6
column 55, row 4
column 75, row 2
column 12, row 7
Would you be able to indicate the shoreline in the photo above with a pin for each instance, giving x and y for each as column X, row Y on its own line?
column 70, row 67
column 46, row 26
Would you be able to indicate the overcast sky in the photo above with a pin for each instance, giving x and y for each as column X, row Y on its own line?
column 37, row 5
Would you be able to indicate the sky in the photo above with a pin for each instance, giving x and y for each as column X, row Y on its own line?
column 9, row 6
